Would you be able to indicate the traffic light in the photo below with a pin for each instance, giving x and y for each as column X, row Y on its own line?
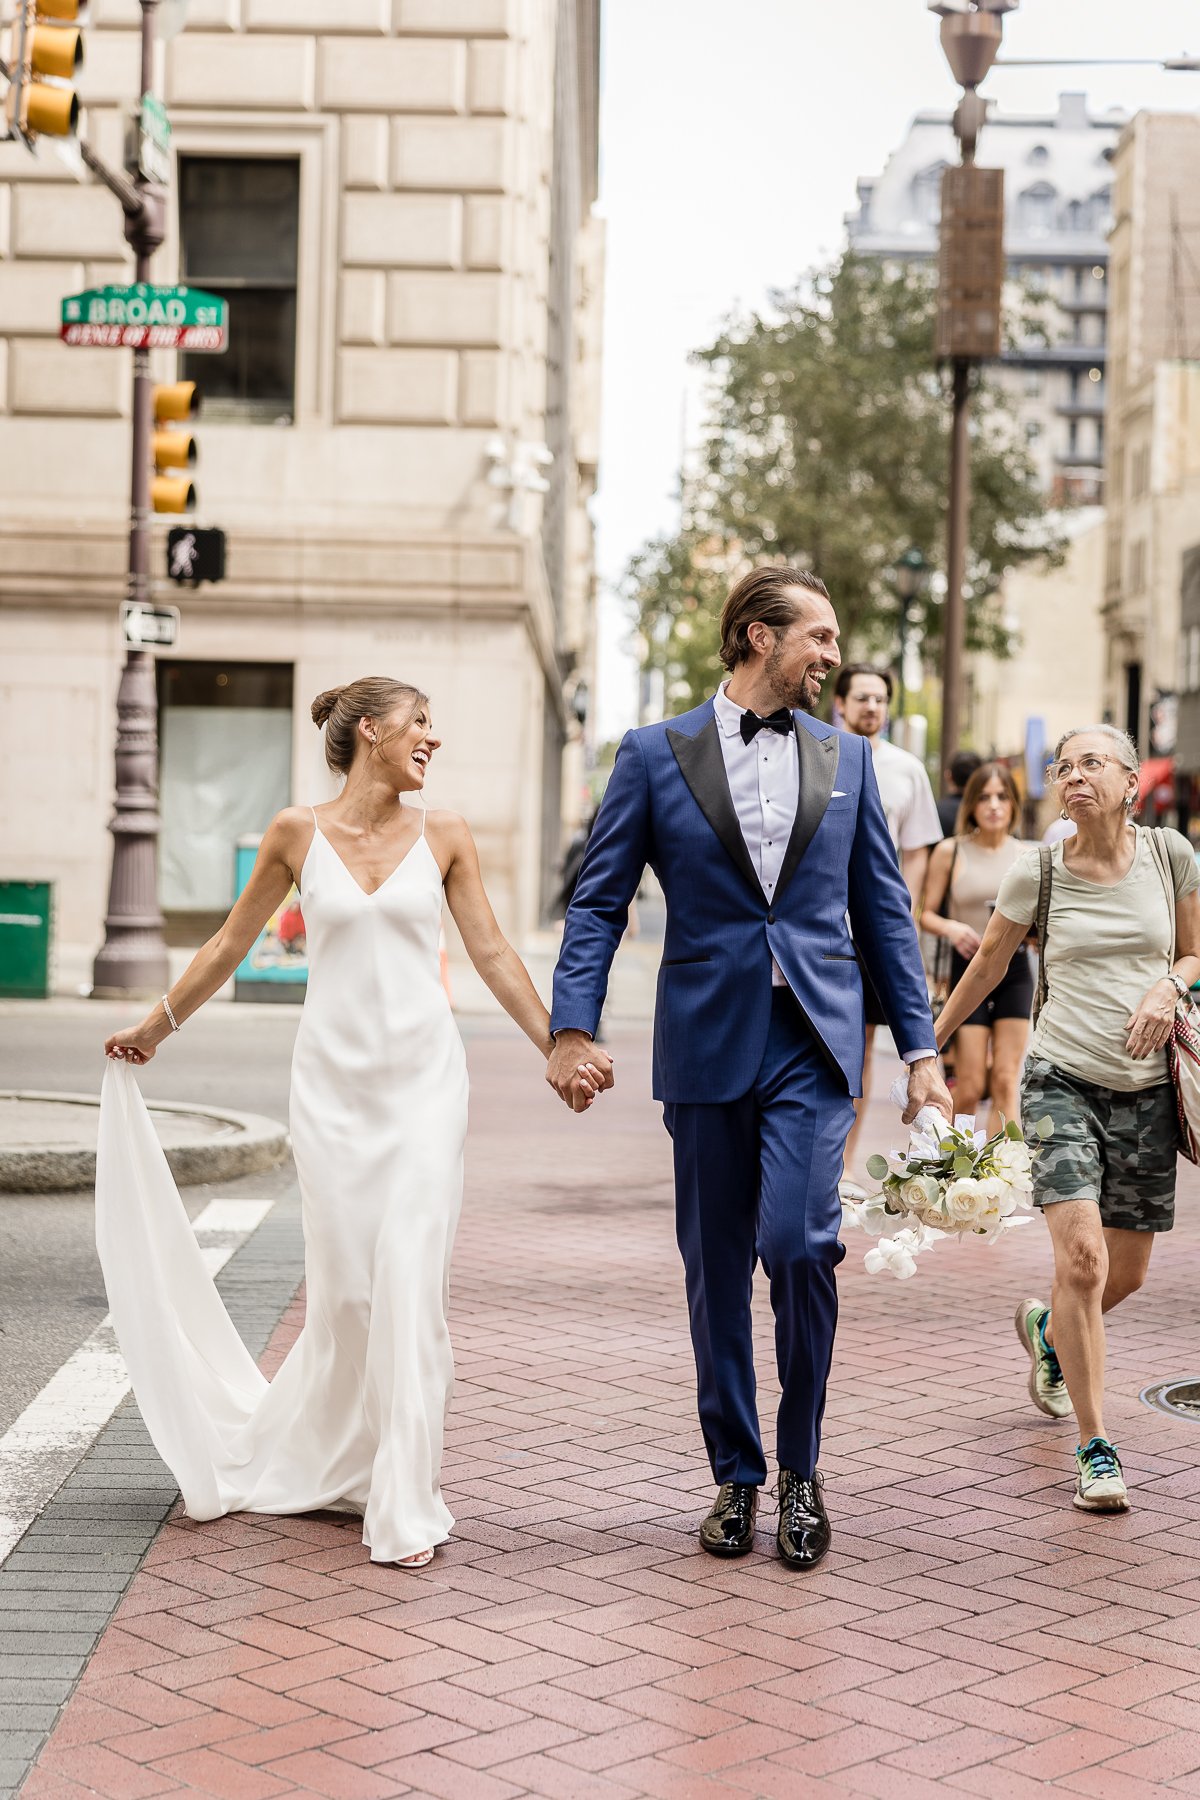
column 45, row 54
column 174, row 449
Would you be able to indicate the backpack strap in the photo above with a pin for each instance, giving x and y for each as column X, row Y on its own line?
column 1042, row 920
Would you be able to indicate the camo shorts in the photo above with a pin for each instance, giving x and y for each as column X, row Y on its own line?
column 1118, row 1149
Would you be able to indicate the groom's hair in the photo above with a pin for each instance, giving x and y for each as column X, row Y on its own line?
column 766, row 596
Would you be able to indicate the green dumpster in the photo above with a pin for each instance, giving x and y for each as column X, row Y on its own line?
column 26, row 916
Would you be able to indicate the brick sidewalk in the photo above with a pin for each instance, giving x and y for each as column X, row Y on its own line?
column 971, row 1632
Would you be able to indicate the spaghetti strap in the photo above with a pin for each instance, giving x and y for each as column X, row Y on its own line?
column 313, row 811
column 422, row 819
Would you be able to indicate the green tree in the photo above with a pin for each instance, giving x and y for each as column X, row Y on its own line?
column 828, row 446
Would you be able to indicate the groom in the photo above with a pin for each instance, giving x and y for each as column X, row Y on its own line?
column 765, row 829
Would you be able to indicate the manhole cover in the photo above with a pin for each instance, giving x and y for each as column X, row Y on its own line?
column 1180, row 1396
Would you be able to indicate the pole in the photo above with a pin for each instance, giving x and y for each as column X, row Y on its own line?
column 901, row 691
column 954, row 624
column 133, row 961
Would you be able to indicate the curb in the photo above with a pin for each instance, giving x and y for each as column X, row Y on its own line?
column 251, row 1142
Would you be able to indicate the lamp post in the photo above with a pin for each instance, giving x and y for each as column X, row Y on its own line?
column 133, row 958
column 970, row 279
column 909, row 574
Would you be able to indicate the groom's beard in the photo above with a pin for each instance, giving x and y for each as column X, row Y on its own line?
column 797, row 695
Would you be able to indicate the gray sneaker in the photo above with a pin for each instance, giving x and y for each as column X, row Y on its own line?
column 1099, row 1482
column 1047, row 1389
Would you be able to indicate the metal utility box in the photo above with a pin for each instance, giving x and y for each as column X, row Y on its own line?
column 26, row 936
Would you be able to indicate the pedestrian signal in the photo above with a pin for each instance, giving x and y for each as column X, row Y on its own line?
column 44, row 56
column 174, row 449
column 195, row 555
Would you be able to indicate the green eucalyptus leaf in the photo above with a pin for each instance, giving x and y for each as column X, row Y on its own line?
column 877, row 1167
column 1044, row 1127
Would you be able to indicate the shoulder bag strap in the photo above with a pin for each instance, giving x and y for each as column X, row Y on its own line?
column 1042, row 920
column 1158, row 846
column 943, row 952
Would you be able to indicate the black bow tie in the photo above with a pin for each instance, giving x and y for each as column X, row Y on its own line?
column 781, row 721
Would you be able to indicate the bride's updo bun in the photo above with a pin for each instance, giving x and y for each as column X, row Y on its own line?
column 324, row 704
column 339, row 710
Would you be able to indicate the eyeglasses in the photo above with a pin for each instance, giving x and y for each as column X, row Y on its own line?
column 1090, row 766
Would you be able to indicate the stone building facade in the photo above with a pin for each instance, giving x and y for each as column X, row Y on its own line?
column 1153, row 426
column 396, row 198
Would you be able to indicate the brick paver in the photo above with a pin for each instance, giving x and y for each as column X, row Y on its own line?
column 970, row 1634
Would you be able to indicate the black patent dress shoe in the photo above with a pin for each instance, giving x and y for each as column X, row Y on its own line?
column 803, row 1535
column 729, row 1527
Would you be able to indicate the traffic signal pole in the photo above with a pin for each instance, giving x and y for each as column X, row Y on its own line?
column 133, row 958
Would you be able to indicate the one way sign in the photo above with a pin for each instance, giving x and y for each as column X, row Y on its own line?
column 149, row 624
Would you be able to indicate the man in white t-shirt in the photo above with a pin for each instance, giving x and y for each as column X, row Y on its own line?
column 864, row 694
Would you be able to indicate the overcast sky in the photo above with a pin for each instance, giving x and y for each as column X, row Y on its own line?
column 732, row 135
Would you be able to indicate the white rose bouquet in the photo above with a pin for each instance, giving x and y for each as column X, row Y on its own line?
column 952, row 1181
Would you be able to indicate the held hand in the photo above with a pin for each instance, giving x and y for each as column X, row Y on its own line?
column 1150, row 1026
column 135, row 1045
column 578, row 1070
column 965, row 941
column 926, row 1088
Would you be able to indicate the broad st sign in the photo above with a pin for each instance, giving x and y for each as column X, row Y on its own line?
column 144, row 317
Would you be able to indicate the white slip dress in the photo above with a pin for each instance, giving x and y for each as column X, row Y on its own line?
column 354, row 1419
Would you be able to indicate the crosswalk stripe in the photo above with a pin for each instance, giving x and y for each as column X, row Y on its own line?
column 41, row 1447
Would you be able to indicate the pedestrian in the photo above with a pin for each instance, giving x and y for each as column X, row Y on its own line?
column 764, row 828
column 965, row 872
column 354, row 1419
column 1120, row 939
column 865, row 694
column 959, row 770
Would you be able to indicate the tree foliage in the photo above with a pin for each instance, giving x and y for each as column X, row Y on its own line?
column 828, row 446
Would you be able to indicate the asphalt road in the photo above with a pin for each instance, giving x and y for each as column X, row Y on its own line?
column 51, row 1293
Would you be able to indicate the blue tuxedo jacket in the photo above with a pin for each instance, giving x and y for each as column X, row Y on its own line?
column 668, row 805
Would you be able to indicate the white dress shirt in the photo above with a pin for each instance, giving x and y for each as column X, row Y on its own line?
column 764, row 784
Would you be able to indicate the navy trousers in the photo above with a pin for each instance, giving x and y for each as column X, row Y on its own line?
column 756, row 1180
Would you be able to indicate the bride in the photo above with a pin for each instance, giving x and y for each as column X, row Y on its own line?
column 354, row 1418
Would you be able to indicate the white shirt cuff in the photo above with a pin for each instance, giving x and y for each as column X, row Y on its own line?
column 912, row 1056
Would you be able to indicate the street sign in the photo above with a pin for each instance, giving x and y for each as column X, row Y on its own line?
column 145, row 317
column 149, row 624
column 154, row 140
column 970, row 262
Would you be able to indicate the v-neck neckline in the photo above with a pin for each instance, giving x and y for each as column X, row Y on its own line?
column 367, row 893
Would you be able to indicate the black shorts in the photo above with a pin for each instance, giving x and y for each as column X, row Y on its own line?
column 1012, row 999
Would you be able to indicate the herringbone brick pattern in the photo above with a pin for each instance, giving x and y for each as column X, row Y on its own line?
column 970, row 1634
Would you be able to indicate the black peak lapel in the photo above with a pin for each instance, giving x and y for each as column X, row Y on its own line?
column 818, row 772
column 703, row 768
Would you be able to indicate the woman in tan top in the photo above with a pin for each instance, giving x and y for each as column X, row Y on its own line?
column 1122, row 941
column 971, row 865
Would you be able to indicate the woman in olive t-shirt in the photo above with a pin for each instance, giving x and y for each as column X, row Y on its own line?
column 1098, row 1068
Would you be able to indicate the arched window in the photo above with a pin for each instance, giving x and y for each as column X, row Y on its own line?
column 1036, row 207
column 927, row 193
column 1039, row 154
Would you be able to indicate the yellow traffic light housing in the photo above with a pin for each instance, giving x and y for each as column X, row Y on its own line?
column 174, row 403
column 45, row 54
